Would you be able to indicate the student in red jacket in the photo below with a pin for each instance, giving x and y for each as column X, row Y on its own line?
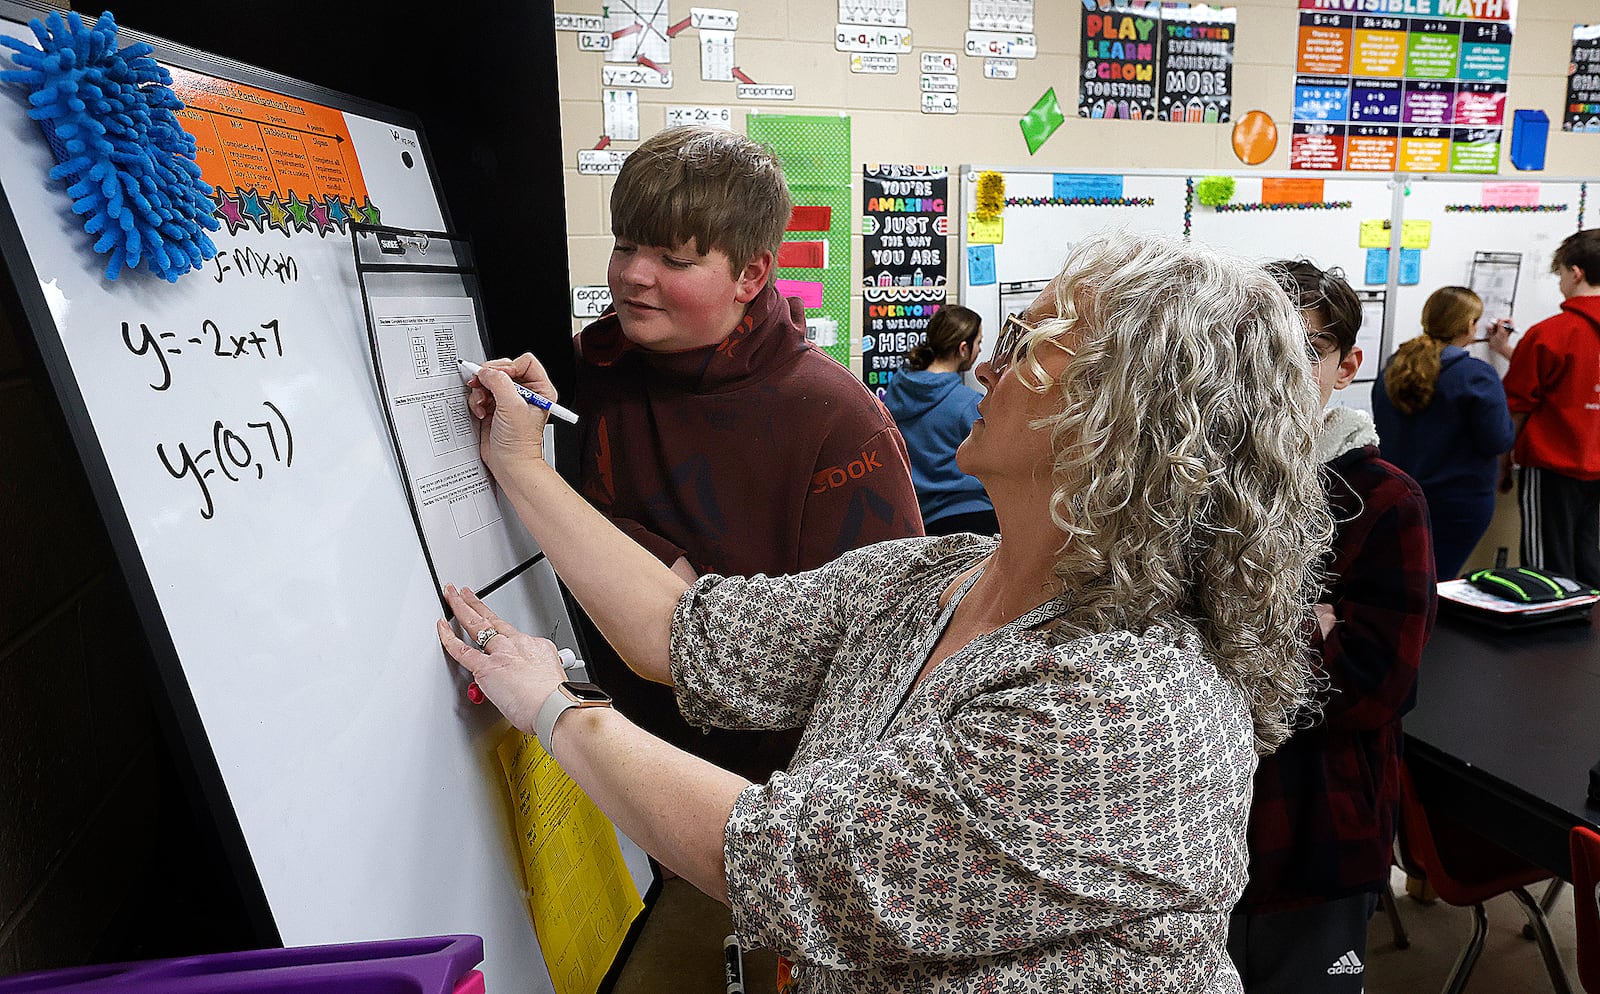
column 1322, row 821
column 1553, row 390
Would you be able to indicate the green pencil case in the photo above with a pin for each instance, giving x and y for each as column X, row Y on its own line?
column 1525, row 585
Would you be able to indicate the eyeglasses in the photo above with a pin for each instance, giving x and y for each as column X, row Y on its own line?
column 1005, row 347
column 1320, row 347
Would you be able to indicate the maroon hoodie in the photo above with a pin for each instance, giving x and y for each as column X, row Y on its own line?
column 760, row 454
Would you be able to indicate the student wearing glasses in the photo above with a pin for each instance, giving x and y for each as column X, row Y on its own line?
column 935, row 411
column 1026, row 760
column 1323, row 820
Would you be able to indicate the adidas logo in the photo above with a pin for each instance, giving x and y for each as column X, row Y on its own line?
column 1346, row 964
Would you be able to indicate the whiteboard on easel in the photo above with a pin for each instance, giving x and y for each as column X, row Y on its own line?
column 233, row 433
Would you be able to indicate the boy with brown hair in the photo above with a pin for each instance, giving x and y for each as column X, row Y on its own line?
column 1553, row 390
column 713, row 433
column 716, row 436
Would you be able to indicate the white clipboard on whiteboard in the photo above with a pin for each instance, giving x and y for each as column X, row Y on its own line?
column 423, row 317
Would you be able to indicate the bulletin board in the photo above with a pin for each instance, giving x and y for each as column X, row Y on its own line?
column 231, row 427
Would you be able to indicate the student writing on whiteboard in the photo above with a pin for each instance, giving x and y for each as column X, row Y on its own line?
column 714, row 435
column 1026, row 761
column 935, row 410
column 1323, row 819
column 1553, row 388
column 1442, row 417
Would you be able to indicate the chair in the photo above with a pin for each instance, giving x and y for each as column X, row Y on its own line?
column 1465, row 871
column 1586, row 904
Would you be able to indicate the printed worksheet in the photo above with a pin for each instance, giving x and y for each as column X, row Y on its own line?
column 472, row 536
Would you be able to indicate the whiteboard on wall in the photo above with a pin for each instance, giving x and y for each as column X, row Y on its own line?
column 1458, row 235
column 253, row 494
column 1328, row 236
column 1037, row 237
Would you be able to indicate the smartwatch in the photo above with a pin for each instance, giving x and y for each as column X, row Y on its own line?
column 568, row 694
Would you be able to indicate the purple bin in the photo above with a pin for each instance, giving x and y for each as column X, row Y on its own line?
column 441, row 964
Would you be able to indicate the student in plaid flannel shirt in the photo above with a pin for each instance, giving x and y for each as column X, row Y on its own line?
column 1322, row 822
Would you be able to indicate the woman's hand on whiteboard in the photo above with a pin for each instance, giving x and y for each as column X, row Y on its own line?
column 514, row 670
column 514, row 428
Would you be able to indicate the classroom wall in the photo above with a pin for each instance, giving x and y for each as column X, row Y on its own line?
column 791, row 41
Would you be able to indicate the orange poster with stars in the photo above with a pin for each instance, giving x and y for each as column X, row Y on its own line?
column 274, row 160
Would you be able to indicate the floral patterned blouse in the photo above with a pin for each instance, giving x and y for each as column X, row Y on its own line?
column 1039, row 815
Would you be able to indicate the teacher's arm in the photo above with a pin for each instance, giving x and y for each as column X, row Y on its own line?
column 674, row 805
column 626, row 590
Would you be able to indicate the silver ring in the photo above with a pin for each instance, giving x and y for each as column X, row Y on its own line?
column 484, row 637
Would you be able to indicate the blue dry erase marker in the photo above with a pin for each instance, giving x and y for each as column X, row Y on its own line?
column 471, row 369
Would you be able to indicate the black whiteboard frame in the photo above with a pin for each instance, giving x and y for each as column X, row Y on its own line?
column 175, row 708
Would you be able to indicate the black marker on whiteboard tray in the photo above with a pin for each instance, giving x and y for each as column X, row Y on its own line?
column 471, row 369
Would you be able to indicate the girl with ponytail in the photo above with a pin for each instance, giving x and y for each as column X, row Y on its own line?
column 1442, row 417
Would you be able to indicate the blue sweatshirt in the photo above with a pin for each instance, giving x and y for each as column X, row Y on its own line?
column 935, row 412
column 1451, row 447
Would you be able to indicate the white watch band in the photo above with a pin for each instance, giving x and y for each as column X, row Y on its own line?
column 544, row 723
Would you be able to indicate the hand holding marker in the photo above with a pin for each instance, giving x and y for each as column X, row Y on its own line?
column 471, row 369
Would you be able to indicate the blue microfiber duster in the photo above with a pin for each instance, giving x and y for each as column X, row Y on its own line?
column 129, row 166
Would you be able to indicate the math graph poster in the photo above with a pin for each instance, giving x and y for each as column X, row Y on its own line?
column 1411, row 85
column 1582, row 112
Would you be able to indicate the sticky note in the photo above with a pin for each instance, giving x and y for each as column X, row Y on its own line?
column 803, row 255
column 1511, row 194
column 1416, row 234
column 1375, row 233
column 1410, row 267
column 1276, row 190
column 980, row 265
column 1074, row 186
column 981, row 232
column 811, row 218
column 809, row 292
column 1377, row 266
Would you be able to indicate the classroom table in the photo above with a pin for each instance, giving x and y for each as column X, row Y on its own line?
column 1506, row 727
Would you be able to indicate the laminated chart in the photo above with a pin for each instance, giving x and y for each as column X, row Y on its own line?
column 276, row 162
column 579, row 891
column 1421, row 90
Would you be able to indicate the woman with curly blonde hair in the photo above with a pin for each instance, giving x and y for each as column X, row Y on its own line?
column 1442, row 416
column 1026, row 761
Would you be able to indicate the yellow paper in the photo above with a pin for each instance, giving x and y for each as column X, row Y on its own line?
column 1375, row 233
column 981, row 232
column 1416, row 234
column 580, row 893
